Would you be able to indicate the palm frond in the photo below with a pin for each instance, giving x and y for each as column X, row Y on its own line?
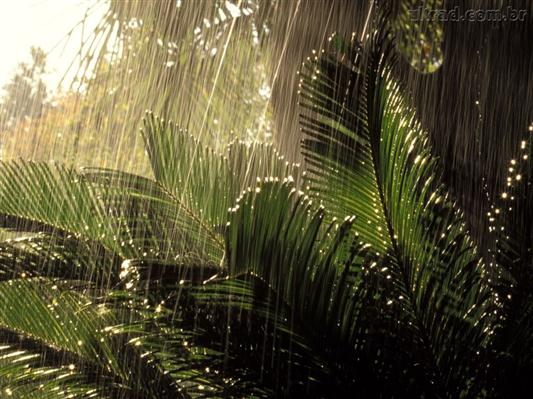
column 170, row 228
column 368, row 156
column 254, row 316
column 24, row 374
column 277, row 236
column 206, row 182
column 53, row 256
column 131, row 221
column 74, row 328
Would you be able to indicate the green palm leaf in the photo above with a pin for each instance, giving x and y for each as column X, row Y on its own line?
column 130, row 221
column 74, row 313
column 72, row 329
column 206, row 182
column 277, row 236
column 23, row 375
column 169, row 228
column 51, row 256
column 368, row 156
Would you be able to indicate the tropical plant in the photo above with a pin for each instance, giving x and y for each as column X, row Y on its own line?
column 235, row 274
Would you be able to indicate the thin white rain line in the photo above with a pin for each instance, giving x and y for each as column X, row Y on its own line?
column 274, row 78
column 217, row 75
column 291, row 24
column 367, row 19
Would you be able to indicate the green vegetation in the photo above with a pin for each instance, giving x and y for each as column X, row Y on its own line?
column 226, row 271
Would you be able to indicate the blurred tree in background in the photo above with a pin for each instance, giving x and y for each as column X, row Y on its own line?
column 201, row 64
column 26, row 93
column 67, row 130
